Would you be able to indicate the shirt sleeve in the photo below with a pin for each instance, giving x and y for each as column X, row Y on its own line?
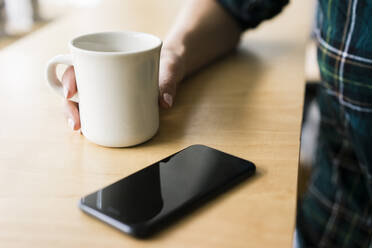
column 250, row 13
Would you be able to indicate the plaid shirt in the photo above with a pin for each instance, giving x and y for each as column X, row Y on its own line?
column 336, row 210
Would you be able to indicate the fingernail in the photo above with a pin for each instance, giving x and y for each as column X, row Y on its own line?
column 65, row 92
column 71, row 123
column 168, row 99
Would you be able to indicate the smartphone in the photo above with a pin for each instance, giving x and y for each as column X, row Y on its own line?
column 144, row 201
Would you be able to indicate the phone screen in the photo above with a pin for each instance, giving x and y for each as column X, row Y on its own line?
column 138, row 203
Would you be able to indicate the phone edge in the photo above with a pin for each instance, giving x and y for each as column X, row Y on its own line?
column 106, row 219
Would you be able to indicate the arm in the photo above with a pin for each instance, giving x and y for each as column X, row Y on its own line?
column 202, row 32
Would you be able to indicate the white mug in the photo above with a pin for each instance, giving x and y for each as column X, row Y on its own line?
column 117, row 82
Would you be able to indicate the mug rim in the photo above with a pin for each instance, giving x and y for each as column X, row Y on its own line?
column 140, row 51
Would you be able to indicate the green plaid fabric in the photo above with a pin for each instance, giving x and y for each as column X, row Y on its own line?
column 337, row 208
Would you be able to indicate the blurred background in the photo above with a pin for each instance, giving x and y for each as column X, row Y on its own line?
column 20, row 17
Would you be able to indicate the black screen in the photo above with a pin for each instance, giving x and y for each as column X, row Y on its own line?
column 147, row 196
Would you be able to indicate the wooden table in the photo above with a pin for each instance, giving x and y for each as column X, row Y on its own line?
column 249, row 105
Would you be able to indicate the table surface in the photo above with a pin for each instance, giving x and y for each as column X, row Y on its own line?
column 248, row 104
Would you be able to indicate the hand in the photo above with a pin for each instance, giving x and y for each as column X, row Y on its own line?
column 171, row 72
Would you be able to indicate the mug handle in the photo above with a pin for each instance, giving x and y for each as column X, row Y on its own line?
column 51, row 74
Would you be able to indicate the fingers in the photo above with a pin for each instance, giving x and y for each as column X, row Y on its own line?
column 72, row 114
column 170, row 74
column 69, row 82
column 69, row 89
column 167, row 86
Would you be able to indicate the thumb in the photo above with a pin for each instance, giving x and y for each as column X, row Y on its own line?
column 170, row 74
column 167, row 89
